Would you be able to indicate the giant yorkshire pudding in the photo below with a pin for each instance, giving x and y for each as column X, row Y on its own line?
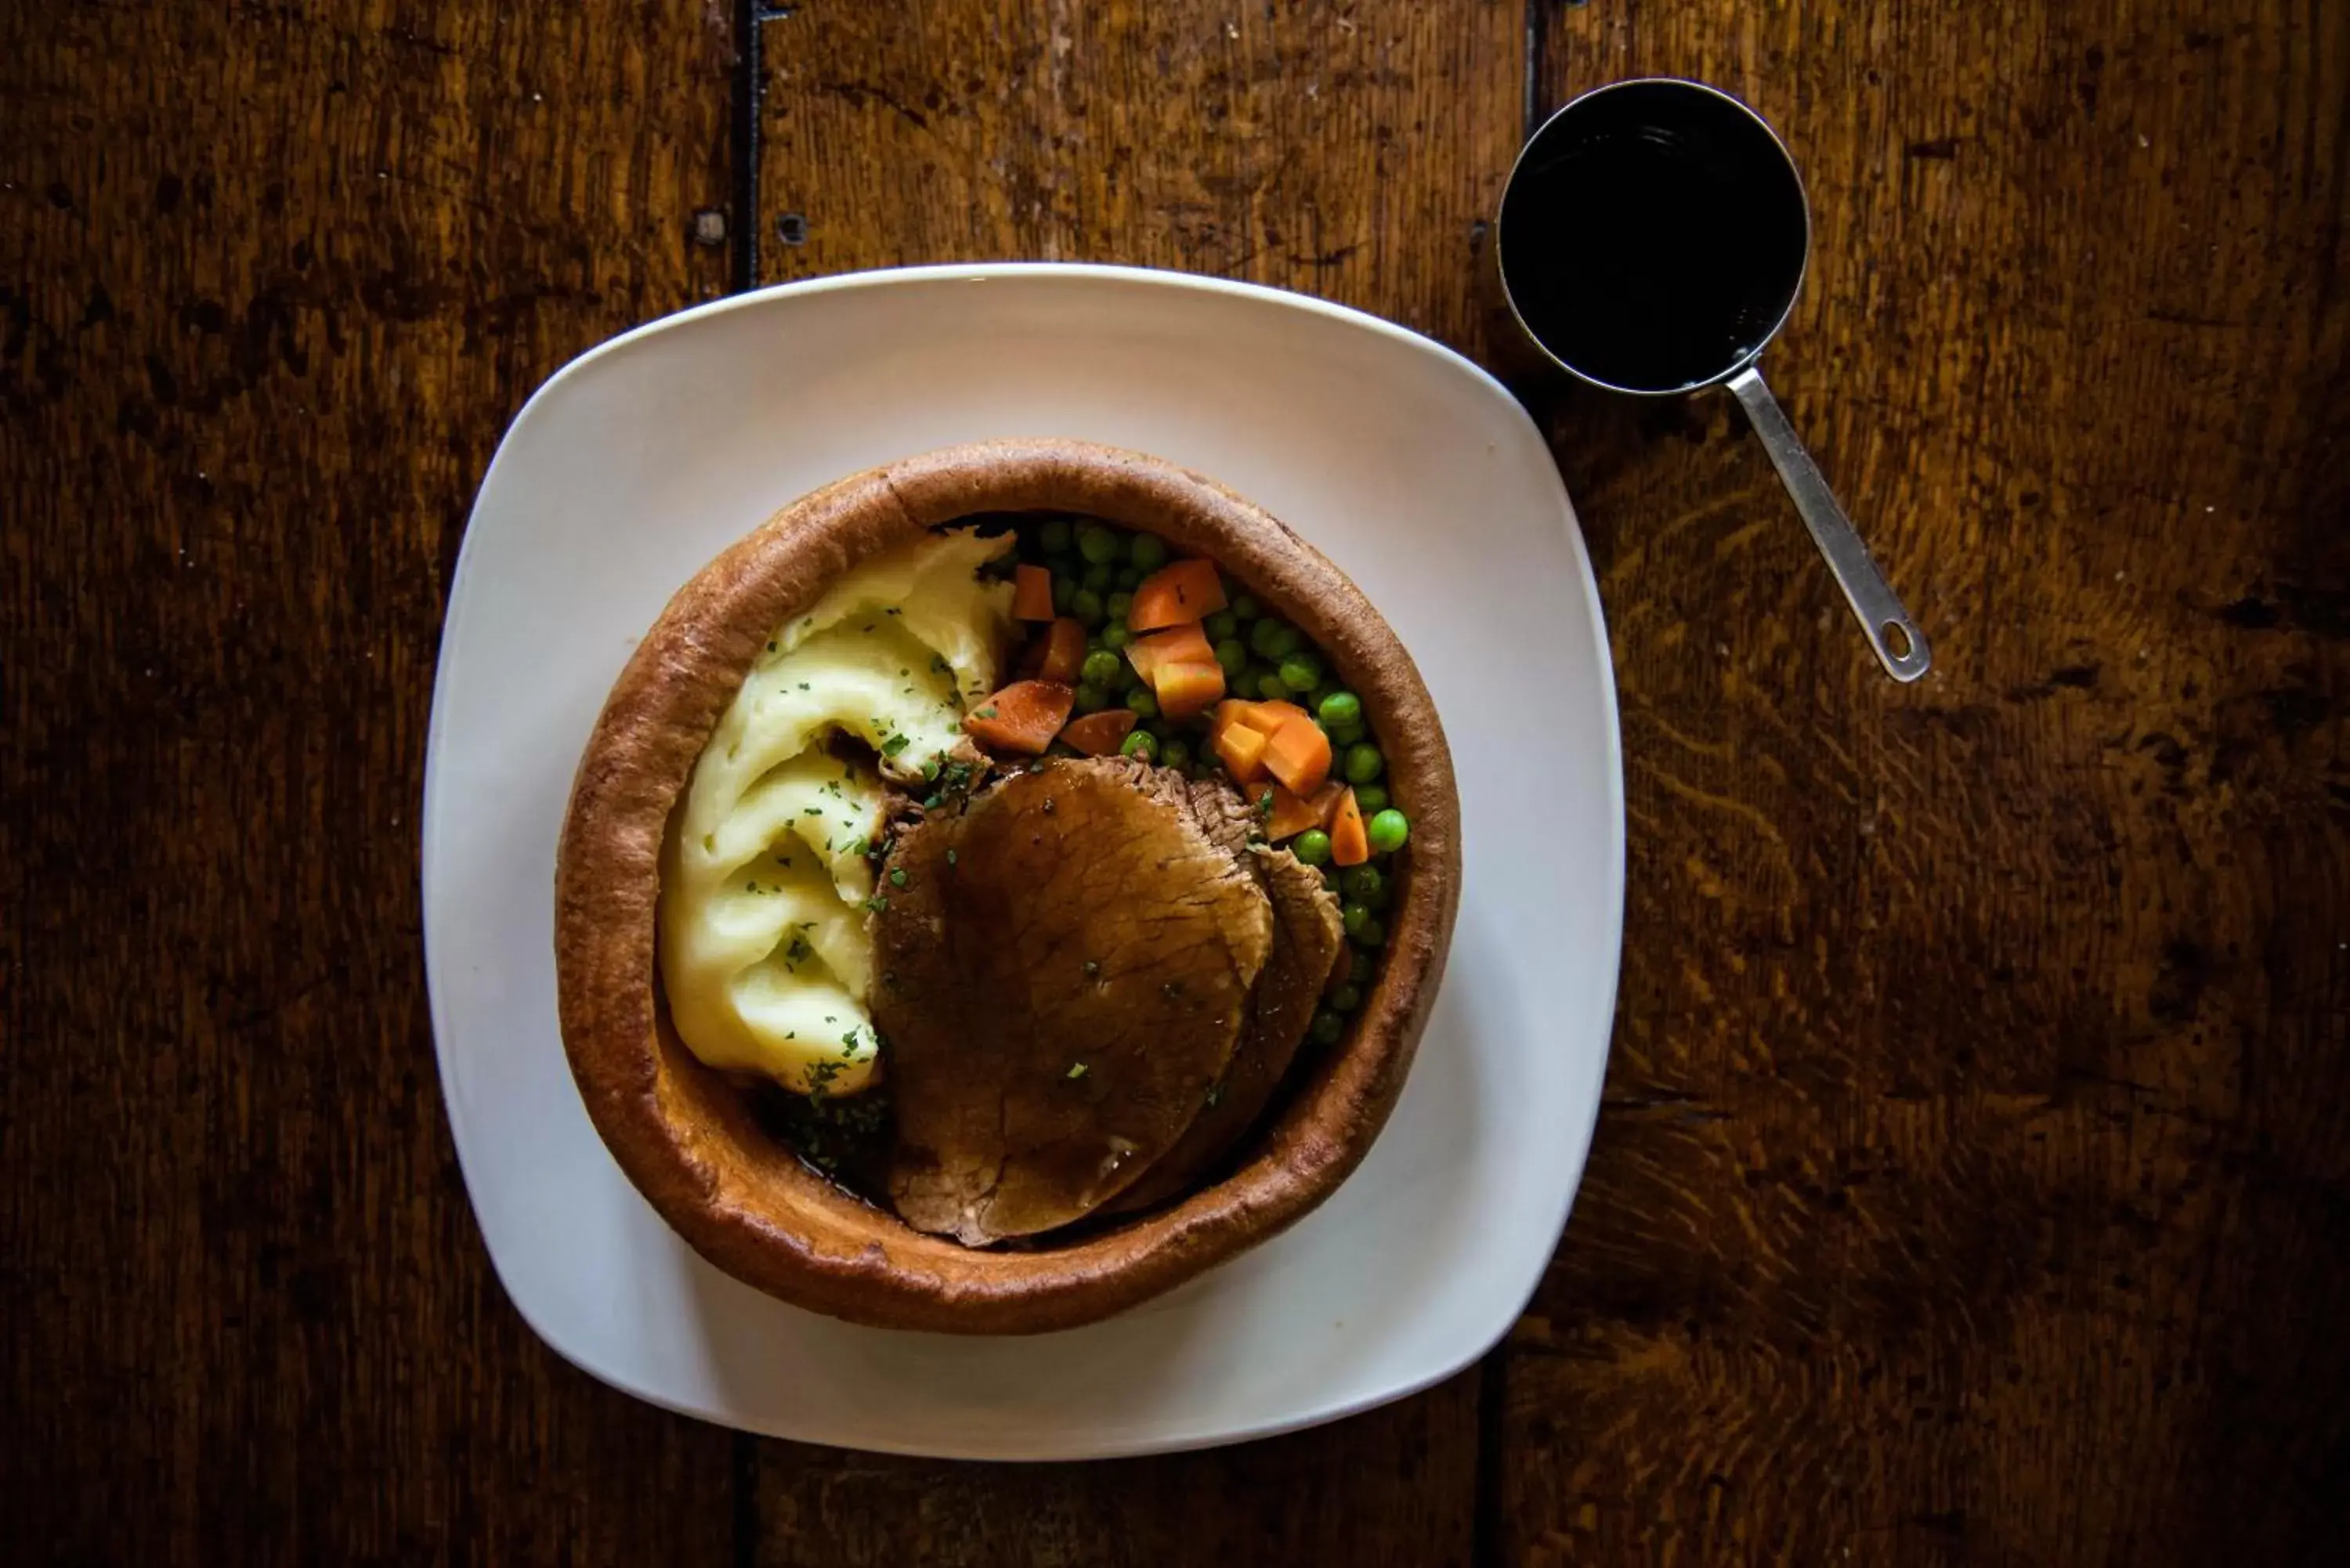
column 692, row 1137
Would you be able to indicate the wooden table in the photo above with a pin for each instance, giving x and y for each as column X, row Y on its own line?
column 1974, row 1178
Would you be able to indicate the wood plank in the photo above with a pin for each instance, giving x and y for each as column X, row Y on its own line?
column 1393, row 1486
column 1352, row 152
column 1973, row 1183
column 273, row 278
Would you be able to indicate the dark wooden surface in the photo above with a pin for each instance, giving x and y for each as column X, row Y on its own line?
column 1974, row 1181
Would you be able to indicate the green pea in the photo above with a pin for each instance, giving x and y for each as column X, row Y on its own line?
column 1117, row 634
column 1313, row 847
column 1175, row 755
column 1364, row 763
column 1094, row 577
column 1372, row 935
column 1273, row 688
column 1221, row 625
column 1087, row 605
column 1244, row 608
column 1388, row 830
column 1342, row 736
column 1064, row 592
column 1340, row 708
column 1140, row 744
column 1328, row 1027
column 1345, row 999
column 1272, row 638
column 1119, row 604
column 1146, row 551
column 1300, row 671
column 1232, row 656
column 1364, row 967
column 1354, row 917
column 1055, row 535
column 1144, row 704
column 1365, row 884
column 1330, row 878
column 1099, row 545
column 1092, row 698
column 1371, row 798
column 1101, row 668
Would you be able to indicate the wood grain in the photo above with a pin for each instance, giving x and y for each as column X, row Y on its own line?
column 1395, row 1486
column 271, row 280
column 1352, row 151
column 1973, row 1180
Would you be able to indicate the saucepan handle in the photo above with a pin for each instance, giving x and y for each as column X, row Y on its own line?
column 1900, row 645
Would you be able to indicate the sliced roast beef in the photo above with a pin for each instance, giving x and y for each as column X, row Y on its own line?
column 1307, row 943
column 1064, row 970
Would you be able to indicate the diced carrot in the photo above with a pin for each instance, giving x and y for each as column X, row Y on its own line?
column 1293, row 814
column 1176, row 645
column 1065, row 651
column 1023, row 716
column 1032, row 594
column 1349, row 844
column 1298, row 754
column 1228, row 712
column 1243, row 751
column 1265, row 718
column 1099, row 734
column 1271, row 717
column 1185, row 690
column 1178, row 592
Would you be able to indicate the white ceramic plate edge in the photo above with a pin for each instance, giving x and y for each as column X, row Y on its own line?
column 1170, row 1441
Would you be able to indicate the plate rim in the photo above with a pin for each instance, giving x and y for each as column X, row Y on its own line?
column 1040, row 1449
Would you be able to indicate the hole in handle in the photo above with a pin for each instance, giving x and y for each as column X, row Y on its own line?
column 1897, row 642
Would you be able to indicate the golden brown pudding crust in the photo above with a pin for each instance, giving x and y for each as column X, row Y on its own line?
column 685, row 1135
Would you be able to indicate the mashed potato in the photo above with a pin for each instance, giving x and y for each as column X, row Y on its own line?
column 765, row 945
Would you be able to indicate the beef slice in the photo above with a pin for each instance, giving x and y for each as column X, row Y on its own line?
column 1062, row 973
column 1307, row 942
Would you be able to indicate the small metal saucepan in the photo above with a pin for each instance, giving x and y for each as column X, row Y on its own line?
column 1652, row 239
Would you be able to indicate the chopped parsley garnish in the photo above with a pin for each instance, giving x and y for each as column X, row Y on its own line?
column 896, row 743
column 800, row 952
column 987, row 713
column 1092, row 968
column 1077, row 1070
column 951, row 856
column 877, row 903
column 898, row 878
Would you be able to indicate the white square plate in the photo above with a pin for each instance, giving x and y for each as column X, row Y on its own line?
column 1409, row 467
